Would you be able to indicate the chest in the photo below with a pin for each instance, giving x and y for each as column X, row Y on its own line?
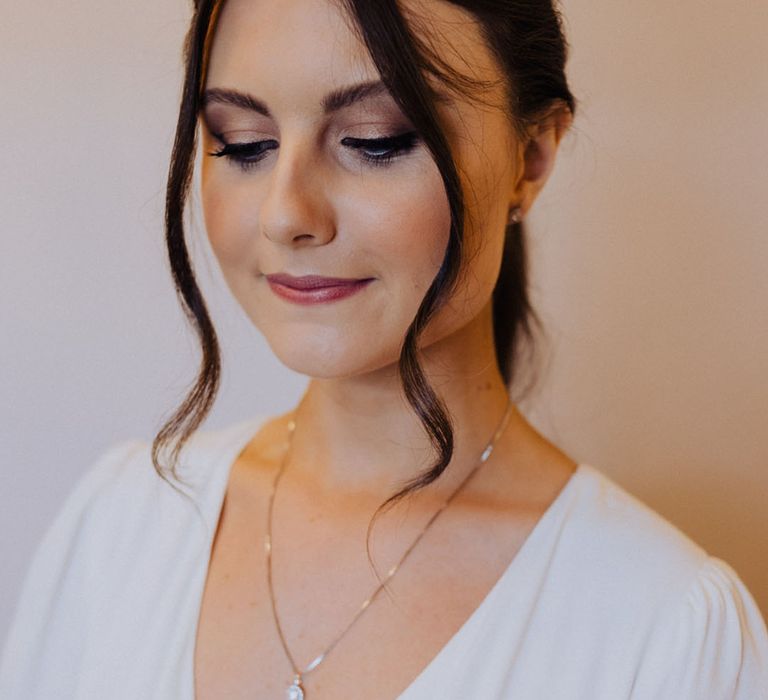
column 320, row 580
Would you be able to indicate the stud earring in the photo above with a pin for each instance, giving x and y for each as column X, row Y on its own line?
column 515, row 215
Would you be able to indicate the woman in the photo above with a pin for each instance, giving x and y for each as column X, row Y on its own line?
column 397, row 147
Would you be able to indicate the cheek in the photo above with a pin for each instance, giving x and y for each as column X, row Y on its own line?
column 229, row 220
column 486, row 180
column 408, row 224
column 482, row 253
column 484, row 183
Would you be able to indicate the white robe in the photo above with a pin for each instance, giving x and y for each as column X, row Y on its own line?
column 606, row 600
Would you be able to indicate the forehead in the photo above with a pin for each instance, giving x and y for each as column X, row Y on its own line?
column 273, row 45
column 307, row 46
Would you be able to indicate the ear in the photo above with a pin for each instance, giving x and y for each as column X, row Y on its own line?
column 538, row 156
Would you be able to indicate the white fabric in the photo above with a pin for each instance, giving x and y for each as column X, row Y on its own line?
column 606, row 600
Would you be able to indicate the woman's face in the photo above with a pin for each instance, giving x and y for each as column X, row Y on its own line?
column 298, row 190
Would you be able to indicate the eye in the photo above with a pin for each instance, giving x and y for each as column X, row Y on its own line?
column 379, row 152
column 382, row 151
column 246, row 155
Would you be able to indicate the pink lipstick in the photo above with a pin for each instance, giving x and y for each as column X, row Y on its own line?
column 314, row 289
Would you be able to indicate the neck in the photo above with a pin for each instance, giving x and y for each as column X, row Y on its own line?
column 359, row 437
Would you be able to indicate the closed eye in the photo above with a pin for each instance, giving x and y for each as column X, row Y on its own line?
column 383, row 151
column 378, row 152
column 244, row 154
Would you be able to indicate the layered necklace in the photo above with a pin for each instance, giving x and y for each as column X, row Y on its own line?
column 296, row 690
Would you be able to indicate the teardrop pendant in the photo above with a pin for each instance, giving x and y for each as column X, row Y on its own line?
column 296, row 690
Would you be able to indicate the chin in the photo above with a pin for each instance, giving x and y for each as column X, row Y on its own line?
column 324, row 357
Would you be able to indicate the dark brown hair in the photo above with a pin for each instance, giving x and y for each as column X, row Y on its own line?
column 526, row 38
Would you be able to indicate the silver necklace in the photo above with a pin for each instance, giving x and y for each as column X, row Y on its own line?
column 296, row 690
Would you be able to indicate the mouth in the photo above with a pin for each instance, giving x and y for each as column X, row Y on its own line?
column 313, row 289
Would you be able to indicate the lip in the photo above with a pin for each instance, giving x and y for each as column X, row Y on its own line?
column 312, row 281
column 322, row 292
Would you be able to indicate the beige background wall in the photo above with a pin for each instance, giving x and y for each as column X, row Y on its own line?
column 650, row 252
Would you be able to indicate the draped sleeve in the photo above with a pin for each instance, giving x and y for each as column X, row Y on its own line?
column 711, row 645
column 48, row 629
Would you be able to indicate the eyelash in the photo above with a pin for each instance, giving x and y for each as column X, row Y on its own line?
column 247, row 155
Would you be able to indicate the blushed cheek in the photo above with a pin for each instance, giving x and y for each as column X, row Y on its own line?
column 424, row 239
column 434, row 216
column 413, row 230
column 228, row 225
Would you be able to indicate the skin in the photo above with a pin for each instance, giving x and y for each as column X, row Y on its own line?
column 312, row 205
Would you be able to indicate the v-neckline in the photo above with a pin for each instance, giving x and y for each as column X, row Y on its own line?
column 223, row 471
column 526, row 551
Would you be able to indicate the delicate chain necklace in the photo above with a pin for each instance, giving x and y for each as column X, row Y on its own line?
column 296, row 690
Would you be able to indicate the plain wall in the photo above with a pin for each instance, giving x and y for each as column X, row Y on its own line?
column 649, row 258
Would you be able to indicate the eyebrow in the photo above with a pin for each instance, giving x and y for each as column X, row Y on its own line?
column 332, row 102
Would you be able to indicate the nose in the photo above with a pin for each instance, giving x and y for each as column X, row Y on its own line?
column 296, row 207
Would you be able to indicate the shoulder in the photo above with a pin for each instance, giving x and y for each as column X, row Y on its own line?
column 88, row 577
column 609, row 535
column 120, row 496
column 693, row 626
column 711, row 641
column 121, row 511
column 613, row 530
column 126, row 468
